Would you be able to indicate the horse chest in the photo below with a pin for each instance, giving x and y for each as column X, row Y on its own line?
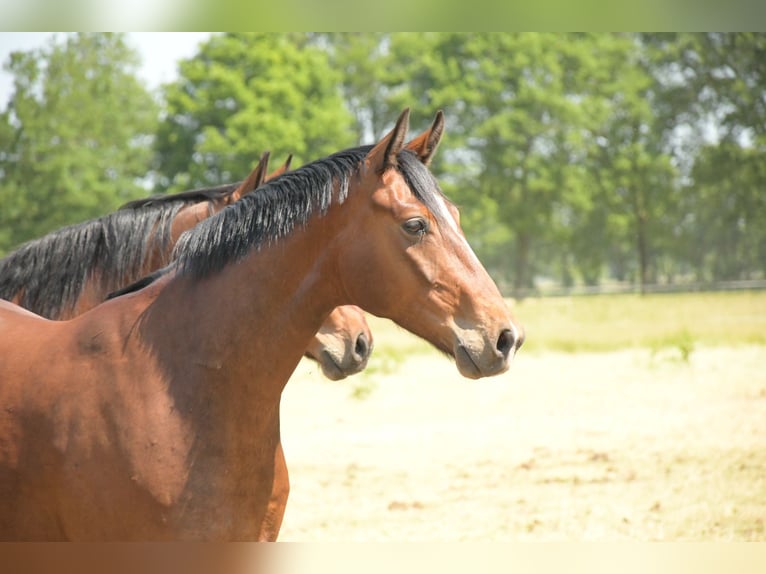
column 227, row 492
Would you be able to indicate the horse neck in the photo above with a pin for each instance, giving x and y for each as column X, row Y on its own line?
column 189, row 216
column 250, row 323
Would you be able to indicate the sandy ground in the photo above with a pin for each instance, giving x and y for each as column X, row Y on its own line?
column 613, row 446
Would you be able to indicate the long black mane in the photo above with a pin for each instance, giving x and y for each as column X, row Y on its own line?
column 284, row 203
column 191, row 196
column 50, row 272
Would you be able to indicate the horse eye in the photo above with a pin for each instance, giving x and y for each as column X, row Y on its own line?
column 415, row 226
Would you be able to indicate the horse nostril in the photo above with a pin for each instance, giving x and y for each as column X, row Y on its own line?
column 362, row 347
column 505, row 342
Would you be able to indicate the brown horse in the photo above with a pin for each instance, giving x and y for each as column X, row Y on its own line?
column 156, row 414
column 70, row 271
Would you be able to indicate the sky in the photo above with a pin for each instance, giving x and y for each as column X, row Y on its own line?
column 159, row 51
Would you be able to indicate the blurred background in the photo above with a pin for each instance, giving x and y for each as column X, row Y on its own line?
column 624, row 165
column 582, row 162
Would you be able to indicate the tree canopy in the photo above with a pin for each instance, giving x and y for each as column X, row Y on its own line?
column 75, row 138
column 243, row 94
column 576, row 158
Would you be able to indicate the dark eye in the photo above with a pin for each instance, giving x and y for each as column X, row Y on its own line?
column 415, row 226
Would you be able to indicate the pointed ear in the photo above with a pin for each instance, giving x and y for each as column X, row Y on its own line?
column 426, row 143
column 254, row 180
column 383, row 155
column 284, row 168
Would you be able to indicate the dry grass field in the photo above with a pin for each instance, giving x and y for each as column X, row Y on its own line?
column 649, row 428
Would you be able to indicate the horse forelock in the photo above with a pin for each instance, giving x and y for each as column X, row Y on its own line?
column 287, row 202
column 424, row 185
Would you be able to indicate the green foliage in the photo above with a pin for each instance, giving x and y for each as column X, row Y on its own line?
column 728, row 238
column 681, row 345
column 713, row 87
column 361, row 61
column 75, row 137
column 574, row 157
column 243, row 94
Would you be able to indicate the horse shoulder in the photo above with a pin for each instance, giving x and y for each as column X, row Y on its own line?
column 152, row 436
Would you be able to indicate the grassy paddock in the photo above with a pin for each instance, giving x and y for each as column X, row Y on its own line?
column 611, row 322
column 678, row 322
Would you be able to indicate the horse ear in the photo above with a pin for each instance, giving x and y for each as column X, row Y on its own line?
column 426, row 143
column 284, row 168
column 254, row 180
column 383, row 155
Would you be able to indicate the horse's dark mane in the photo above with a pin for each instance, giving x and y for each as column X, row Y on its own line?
column 191, row 196
column 50, row 272
column 284, row 203
column 140, row 284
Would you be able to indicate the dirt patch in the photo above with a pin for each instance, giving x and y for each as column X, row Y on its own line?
column 602, row 446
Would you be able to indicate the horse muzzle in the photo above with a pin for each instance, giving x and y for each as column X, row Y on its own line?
column 337, row 366
column 479, row 356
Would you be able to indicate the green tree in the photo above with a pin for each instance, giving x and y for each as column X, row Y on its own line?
column 714, row 107
column 243, row 94
column 361, row 59
column 630, row 159
column 75, row 138
column 514, row 141
column 725, row 198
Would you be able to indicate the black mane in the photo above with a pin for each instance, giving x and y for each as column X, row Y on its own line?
column 191, row 196
column 284, row 203
column 50, row 272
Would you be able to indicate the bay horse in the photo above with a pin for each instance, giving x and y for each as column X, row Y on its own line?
column 155, row 415
column 71, row 270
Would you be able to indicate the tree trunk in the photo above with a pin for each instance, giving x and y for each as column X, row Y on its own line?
column 642, row 243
